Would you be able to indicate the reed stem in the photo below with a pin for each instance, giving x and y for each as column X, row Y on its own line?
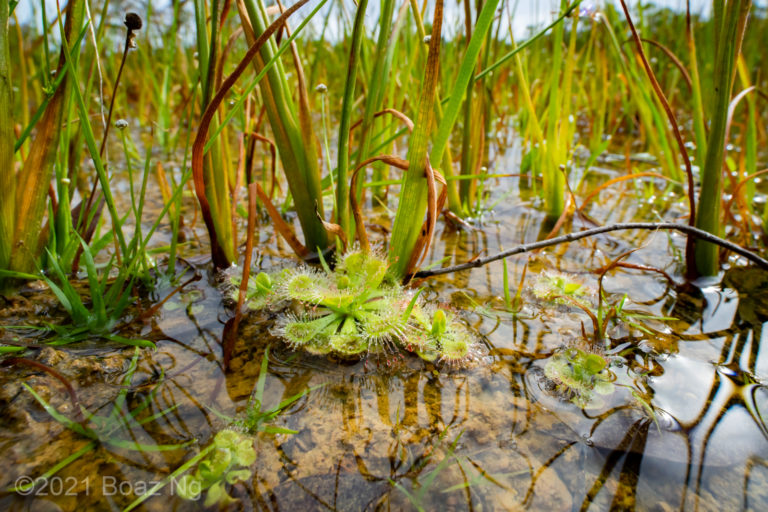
column 342, row 186
column 7, row 138
column 730, row 27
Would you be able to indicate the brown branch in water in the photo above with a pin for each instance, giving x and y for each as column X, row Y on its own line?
column 691, row 231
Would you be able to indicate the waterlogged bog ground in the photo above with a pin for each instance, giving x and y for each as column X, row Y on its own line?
column 679, row 424
column 219, row 257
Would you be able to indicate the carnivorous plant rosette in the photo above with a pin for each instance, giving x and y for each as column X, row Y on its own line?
column 580, row 375
column 355, row 310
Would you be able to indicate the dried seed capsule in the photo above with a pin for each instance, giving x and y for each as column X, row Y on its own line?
column 133, row 21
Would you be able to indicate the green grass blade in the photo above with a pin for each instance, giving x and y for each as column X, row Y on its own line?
column 178, row 472
column 468, row 63
column 708, row 216
column 413, row 193
column 500, row 62
column 23, row 489
column 7, row 175
column 71, row 425
column 342, row 185
column 258, row 394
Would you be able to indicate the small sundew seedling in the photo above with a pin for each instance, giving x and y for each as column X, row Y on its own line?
column 447, row 339
column 438, row 324
column 555, row 285
column 579, row 375
column 259, row 293
column 226, row 464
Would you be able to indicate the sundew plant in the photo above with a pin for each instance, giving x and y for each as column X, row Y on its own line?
column 415, row 130
column 268, row 203
column 252, row 111
column 358, row 309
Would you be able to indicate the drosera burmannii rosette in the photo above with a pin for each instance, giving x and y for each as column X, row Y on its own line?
column 581, row 375
column 355, row 310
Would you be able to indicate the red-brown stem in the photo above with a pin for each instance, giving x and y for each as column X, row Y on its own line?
column 689, row 255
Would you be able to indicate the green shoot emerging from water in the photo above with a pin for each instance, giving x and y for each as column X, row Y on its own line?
column 255, row 418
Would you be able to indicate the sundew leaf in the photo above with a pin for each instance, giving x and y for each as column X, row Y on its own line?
column 571, row 288
column 594, row 364
column 238, row 475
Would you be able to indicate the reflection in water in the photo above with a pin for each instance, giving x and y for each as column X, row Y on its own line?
column 683, row 428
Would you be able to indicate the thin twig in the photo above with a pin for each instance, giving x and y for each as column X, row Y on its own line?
column 570, row 237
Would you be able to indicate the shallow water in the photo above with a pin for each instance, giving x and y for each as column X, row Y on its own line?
column 682, row 429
